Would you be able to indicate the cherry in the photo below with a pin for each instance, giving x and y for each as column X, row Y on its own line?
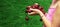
column 40, row 19
column 35, row 6
column 26, row 18
column 28, row 9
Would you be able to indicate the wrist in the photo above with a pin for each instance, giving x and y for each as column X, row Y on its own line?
column 40, row 13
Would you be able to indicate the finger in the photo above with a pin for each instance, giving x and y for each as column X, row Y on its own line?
column 34, row 9
column 32, row 13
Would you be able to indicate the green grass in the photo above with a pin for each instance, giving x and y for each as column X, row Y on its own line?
column 12, row 13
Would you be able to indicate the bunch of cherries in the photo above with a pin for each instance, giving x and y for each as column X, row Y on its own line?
column 35, row 6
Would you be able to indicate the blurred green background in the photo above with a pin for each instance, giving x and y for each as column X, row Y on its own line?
column 12, row 13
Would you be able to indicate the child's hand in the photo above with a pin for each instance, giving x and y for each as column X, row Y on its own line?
column 35, row 11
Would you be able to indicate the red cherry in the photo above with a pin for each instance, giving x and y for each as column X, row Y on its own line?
column 28, row 11
column 35, row 6
column 26, row 18
column 28, row 7
column 40, row 19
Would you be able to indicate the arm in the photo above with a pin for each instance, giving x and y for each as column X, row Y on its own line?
column 45, row 20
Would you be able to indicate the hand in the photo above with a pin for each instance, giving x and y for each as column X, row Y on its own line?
column 35, row 11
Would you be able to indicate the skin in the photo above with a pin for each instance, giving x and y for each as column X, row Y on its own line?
column 56, row 17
